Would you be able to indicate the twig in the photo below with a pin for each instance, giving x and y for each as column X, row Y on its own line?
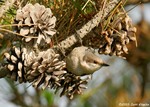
column 1, row 29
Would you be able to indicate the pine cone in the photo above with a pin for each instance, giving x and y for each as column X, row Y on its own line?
column 114, row 39
column 73, row 85
column 46, row 71
column 35, row 22
column 16, row 64
column 117, row 37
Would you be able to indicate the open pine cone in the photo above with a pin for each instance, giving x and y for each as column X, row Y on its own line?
column 35, row 22
column 73, row 84
column 113, row 35
column 47, row 71
column 16, row 62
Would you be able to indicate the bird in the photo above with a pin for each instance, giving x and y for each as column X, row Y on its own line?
column 82, row 61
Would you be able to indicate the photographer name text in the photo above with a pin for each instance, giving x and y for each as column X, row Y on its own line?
column 135, row 104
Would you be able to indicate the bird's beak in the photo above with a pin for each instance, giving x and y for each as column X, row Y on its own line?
column 104, row 64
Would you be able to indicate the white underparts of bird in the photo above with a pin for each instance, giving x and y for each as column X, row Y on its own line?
column 82, row 61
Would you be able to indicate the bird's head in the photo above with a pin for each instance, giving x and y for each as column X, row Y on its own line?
column 92, row 63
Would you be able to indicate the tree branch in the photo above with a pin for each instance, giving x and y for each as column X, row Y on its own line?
column 71, row 40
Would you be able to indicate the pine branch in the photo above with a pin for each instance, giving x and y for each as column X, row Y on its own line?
column 46, row 67
column 71, row 40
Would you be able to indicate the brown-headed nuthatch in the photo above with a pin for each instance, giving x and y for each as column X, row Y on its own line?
column 82, row 61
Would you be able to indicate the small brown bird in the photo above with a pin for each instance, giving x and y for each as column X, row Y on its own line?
column 82, row 61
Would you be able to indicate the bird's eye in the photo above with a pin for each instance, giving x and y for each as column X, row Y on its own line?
column 95, row 62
